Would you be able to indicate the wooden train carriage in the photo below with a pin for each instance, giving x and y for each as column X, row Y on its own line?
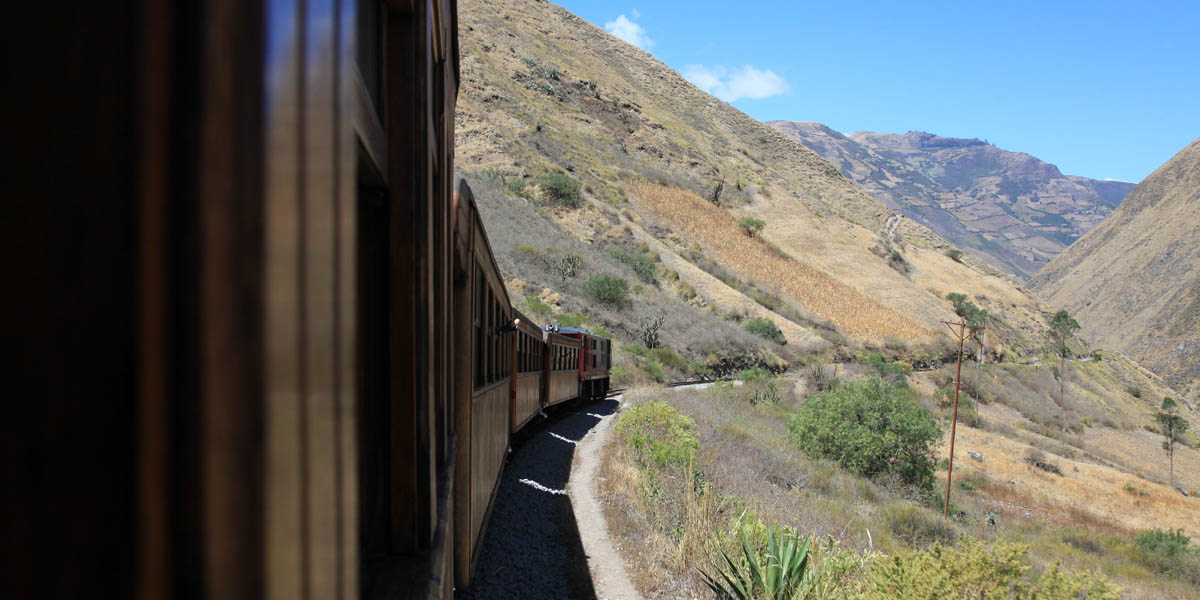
column 562, row 374
column 483, row 400
column 595, row 362
column 528, row 372
column 232, row 303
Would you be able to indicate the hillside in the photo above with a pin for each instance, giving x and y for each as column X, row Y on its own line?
column 618, row 196
column 1009, row 208
column 546, row 92
column 1134, row 281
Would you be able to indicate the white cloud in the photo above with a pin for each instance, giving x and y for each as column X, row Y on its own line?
column 733, row 84
column 629, row 31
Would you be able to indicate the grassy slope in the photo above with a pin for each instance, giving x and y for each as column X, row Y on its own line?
column 666, row 524
column 647, row 147
column 1134, row 281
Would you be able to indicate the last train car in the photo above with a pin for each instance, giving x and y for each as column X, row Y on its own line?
column 593, row 362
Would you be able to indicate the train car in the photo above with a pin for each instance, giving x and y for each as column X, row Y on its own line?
column 561, row 365
column 594, row 362
column 243, row 322
column 483, row 404
column 529, row 374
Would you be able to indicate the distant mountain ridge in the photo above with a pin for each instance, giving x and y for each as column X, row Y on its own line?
column 1009, row 208
column 1133, row 282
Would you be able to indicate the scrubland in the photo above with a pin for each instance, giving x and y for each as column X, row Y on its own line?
column 694, row 473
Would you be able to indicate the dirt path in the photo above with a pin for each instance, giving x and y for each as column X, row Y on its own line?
column 609, row 578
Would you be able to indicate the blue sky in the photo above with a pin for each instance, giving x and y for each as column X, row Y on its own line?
column 1109, row 90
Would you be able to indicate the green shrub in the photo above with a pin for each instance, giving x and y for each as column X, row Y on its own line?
column 996, row 570
column 536, row 307
column 1163, row 543
column 917, row 525
column 573, row 320
column 516, row 187
column 654, row 370
column 1169, row 552
column 1133, row 391
column 751, row 226
column 754, row 374
column 955, row 254
column 608, row 289
column 870, row 428
column 894, row 373
column 670, row 358
column 561, row 187
column 761, row 386
column 657, row 433
column 642, row 264
column 767, row 329
column 620, row 374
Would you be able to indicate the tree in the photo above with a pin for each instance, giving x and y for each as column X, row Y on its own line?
column 869, row 427
column 1062, row 327
column 751, row 226
column 976, row 318
column 1172, row 426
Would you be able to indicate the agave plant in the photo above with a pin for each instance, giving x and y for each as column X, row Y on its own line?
column 781, row 573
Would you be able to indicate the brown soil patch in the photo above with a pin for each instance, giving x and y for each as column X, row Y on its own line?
column 717, row 231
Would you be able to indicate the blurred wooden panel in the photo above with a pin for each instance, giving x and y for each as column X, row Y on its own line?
column 528, row 399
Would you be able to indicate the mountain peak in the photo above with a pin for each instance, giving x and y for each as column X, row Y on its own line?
column 1009, row 208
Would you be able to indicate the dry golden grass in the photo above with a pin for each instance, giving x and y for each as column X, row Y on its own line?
column 1086, row 494
column 717, row 230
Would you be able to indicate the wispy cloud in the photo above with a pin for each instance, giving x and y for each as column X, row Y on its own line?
column 628, row 30
column 734, row 84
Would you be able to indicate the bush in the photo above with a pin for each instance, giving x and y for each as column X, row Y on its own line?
column 1133, row 391
column 894, row 373
column 658, row 433
column 955, row 254
column 536, row 307
column 869, row 428
column 1168, row 552
column 1163, row 543
column 917, row 525
column 751, row 226
column 670, row 358
column 760, row 385
column 767, row 329
column 608, row 289
column 561, row 187
column 642, row 264
column 977, row 571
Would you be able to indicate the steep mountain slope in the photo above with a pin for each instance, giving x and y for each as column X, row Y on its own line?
column 544, row 92
column 594, row 162
column 1011, row 209
column 1133, row 282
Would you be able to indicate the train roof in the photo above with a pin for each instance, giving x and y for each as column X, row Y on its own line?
column 565, row 330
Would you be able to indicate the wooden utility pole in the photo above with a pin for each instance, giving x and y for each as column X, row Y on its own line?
column 961, row 334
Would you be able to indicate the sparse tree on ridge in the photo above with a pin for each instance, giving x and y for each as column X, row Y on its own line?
column 1172, row 426
column 976, row 318
column 1062, row 327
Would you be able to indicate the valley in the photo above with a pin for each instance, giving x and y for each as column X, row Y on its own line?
column 799, row 262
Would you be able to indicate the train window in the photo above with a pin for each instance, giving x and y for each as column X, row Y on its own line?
column 477, row 315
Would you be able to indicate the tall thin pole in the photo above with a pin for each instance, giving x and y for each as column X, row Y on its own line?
column 961, row 335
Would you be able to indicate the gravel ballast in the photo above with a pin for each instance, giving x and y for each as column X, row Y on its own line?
column 532, row 547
